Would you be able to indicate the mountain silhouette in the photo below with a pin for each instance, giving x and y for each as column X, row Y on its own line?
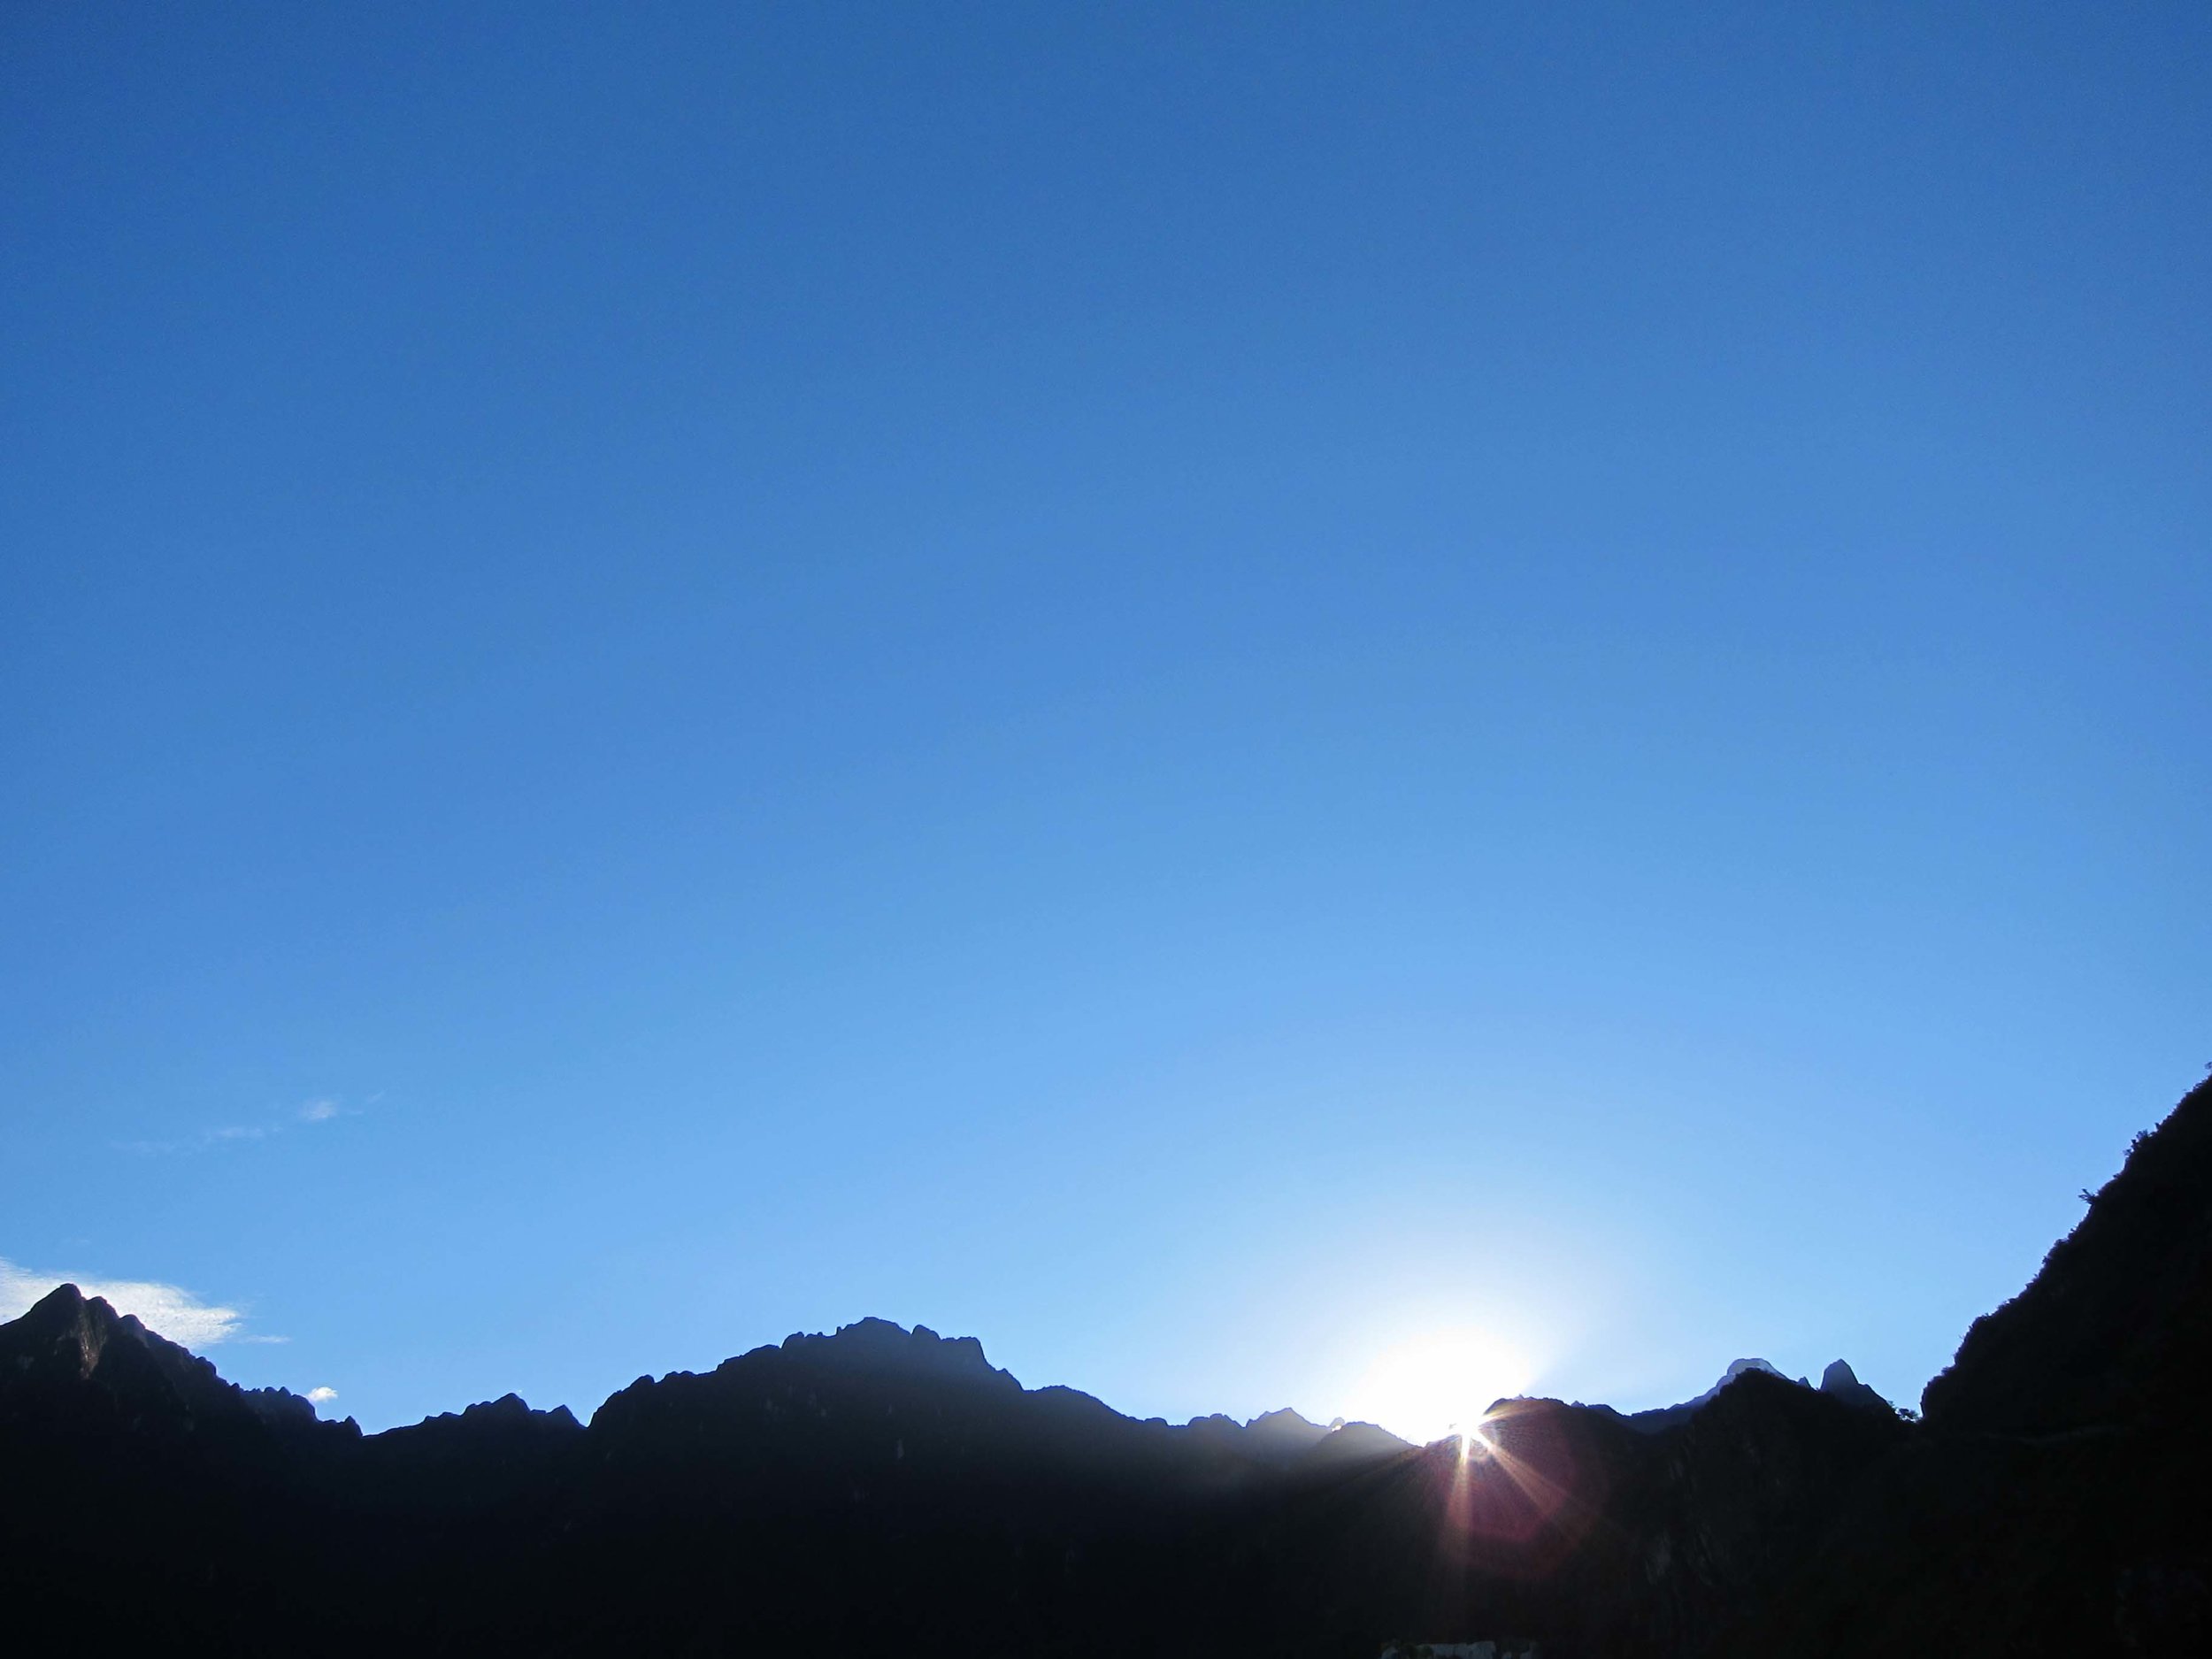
column 2053, row 1500
column 882, row 1488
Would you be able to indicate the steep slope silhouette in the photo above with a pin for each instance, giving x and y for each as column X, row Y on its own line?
column 2054, row 1502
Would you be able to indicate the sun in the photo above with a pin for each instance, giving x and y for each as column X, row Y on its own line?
column 1438, row 1384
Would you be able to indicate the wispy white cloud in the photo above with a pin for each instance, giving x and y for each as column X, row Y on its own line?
column 322, row 1395
column 322, row 1109
column 174, row 1311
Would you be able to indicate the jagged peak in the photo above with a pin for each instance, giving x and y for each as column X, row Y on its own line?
column 1840, row 1382
column 68, row 1328
column 513, row 1409
column 64, row 1300
column 1286, row 1430
column 71, row 1341
column 509, row 1415
column 882, row 1346
column 1737, row 1368
column 1342, row 1439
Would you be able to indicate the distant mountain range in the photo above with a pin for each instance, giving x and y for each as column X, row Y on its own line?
column 885, row 1490
column 1839, row 1381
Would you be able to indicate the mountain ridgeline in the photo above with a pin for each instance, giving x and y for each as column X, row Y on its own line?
column 885, row 1491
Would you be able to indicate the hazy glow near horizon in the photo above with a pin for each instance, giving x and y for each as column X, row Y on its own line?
column 1438, row 1383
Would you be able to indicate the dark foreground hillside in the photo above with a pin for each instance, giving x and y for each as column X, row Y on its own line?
column 883, row 1491
column 2058, row 1497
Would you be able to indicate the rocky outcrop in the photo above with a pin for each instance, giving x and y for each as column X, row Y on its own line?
column 73, row 1360
column 1840, row 1382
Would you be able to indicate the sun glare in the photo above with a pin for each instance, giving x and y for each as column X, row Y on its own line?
column 1438, row 1384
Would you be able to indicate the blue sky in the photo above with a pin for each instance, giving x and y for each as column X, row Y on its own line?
column 1199, row 689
